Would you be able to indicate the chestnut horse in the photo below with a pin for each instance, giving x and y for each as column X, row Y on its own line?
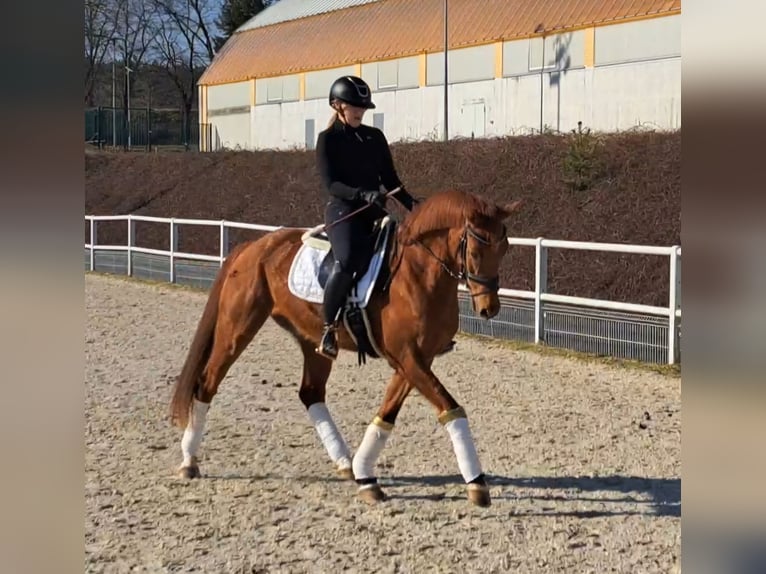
column 450, row 237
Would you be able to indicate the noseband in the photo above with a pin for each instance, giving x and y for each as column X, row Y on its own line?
column 491, row 283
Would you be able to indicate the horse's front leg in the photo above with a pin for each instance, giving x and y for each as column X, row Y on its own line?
column 454, row 419
column 312, row 393
column 375, row 438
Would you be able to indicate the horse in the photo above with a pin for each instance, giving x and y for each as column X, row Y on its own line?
column 409, row 315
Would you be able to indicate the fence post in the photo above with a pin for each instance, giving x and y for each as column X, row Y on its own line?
column 93, row 239
column 131, row 241
column 173, row 249
column 224, row 238
column 673, row 305
column 184, row 135
column 148, row 129
column 541, row 285
column 99, row 136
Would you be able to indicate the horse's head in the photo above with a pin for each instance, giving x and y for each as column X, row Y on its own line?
column 483, row 244
column 477, row 241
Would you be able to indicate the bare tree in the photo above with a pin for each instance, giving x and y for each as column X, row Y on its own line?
column 204, row 21
column 184, row 45
column 99, row 31
column 192, row 19
column 134, row 31
column 116, row 30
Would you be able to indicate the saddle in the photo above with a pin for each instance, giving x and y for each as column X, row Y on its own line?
column 379, row 241
column 313, row 263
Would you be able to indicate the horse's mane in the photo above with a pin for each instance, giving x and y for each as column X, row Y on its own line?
column 446, row 210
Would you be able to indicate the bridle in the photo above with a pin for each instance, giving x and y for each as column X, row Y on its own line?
column 491, row 283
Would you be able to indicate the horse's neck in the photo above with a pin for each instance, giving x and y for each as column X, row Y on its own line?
column 433, row 261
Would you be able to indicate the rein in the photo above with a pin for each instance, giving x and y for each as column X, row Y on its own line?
column 356, row 211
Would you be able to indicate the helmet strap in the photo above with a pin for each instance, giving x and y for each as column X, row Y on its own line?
column 337, row 106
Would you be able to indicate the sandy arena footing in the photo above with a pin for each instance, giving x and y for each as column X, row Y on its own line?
column 583, row 459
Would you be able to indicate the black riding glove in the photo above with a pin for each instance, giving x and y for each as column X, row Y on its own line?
column 373, row 197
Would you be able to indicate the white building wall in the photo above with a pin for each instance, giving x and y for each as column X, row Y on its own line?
column 230, row 131
column 279, row 89
column 229, row 95
column 228, row 113
column 642, row 40
column 623, row 96
column 636, row 81
column 608, row 98
column 275, row 126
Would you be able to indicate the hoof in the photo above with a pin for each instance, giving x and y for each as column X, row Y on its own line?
column 346, row 473
column 371, row 494
column 478, row 494
column 191, row 471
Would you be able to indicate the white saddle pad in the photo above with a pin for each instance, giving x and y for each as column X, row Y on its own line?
column 303, row 282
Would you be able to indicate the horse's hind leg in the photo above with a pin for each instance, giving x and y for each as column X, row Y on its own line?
column 375, row 438
column 316, row 371
column 242, row 313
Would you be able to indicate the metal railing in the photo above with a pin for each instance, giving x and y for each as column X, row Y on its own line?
column 540, row 296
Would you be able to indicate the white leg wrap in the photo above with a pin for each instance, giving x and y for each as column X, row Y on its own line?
column 465, row 450
column 374, row 440
column 331, row 438
column 193, row 433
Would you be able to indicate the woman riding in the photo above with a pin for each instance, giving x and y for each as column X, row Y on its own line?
column 355, row 164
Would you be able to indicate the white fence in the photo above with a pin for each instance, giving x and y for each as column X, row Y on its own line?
column 539, row 296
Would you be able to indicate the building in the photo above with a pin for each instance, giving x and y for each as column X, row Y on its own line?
column 514, row 66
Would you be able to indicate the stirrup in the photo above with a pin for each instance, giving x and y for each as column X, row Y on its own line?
column 328, row 344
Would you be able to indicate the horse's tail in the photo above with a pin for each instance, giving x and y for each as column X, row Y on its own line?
column 201, row 346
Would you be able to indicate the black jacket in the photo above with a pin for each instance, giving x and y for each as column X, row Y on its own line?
column 353, row 160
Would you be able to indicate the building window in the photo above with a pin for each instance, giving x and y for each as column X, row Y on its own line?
column 274, row 90
column 377, row 121
column 388, row 75
column 310, row 141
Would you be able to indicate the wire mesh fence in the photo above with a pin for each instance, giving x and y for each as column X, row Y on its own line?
column 616, row 334
column 141, row 128
column 607, row 333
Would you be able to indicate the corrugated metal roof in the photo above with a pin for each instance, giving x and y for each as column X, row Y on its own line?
column 286, row 10
column 396, row 28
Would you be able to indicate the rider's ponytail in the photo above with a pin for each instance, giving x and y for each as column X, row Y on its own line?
column 333, row 118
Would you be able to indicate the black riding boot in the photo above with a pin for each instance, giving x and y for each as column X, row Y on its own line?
column 335, row 293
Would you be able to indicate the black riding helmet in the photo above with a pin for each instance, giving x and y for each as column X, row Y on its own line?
column 352, row 90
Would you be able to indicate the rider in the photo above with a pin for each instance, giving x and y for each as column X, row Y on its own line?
column 354, row 163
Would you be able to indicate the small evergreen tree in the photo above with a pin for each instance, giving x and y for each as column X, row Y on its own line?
column 234, row 13
column 581, row 164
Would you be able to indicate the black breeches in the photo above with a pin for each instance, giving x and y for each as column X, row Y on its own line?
column 349, row 238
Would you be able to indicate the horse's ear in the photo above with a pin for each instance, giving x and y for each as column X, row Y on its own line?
column 505, row 211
